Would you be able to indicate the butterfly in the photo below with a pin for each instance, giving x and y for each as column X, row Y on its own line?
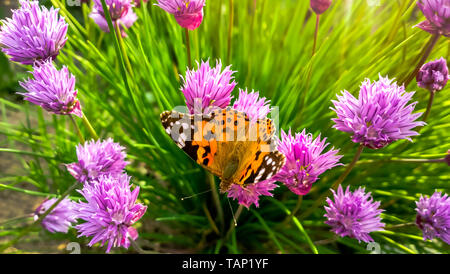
column 227, row 143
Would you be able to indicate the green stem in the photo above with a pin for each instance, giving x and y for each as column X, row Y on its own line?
column 122, row 62
column 349, row 168
column 418, row 161
column 77, row 129
column 230, row 31
column 124, row 52
column 215, row 195
column 139, row 249
column 210, row 219
column 88, row 125
column 294, row 211
column 39, row 220
column 430, row 103
column 400, row 226
column 188, row 48
column 315, row 34
column 424, row 55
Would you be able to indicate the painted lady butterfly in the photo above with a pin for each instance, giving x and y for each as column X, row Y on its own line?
column 228, row 144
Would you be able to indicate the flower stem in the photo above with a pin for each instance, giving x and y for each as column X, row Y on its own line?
column 418, row 161
column 424, row 55
column 294, row 211
column 77, row 129
column 315, row 34
column 341, row 178
column 139, row 249
column 39, row 220
column 89, row 127
column 122, row 65
column 230, row 31
column 349, row 168
column 124, row 52
column 188, row 48
column 430, row 103
column 215, row 195
column 400, row 226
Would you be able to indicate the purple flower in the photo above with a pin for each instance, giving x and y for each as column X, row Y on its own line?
column 208, row 87
column 320, row 6
column 60, row 219
column 380, row 115
column 52, row 89
column 433, row 216
column 433, row 75
column 97, row 158
column 252, row 105
column 249, row 194
column 353, row 214
column 188, row 13
column 437, row 13
column 304, row 161
column 33, row 34
column 121, row 12
column 110, row 211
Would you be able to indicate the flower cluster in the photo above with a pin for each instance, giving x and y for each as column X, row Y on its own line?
column 187, row 13
column 121, row 12
column 437, row 13
column 433, row 216
column 304, row 161
column 207, row 88
column 433, row 75
column 379, row 116
column 110, row 211
column 52, row 89
column 96, row 158
column 353, row 214
column 34, row 33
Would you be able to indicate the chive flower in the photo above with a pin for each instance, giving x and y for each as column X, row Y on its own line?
column 206, row 87
column 437, row 14
column 60, row 219
column 249, row 194
column 353, row 214
column 380, row 115
column 187, row 13
column 320, row 6
column 121, row 13
column 109, row 212
column 433, row 75
column 251, row 104
column 52, row 89
column 433, row 216
column 34, row 33
column 96, row 158
column 305, row 160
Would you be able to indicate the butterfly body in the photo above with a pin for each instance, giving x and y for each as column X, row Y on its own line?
column 226, row 143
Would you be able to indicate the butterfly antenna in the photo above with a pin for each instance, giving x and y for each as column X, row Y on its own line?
column 232, row 212
column 188, row 197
